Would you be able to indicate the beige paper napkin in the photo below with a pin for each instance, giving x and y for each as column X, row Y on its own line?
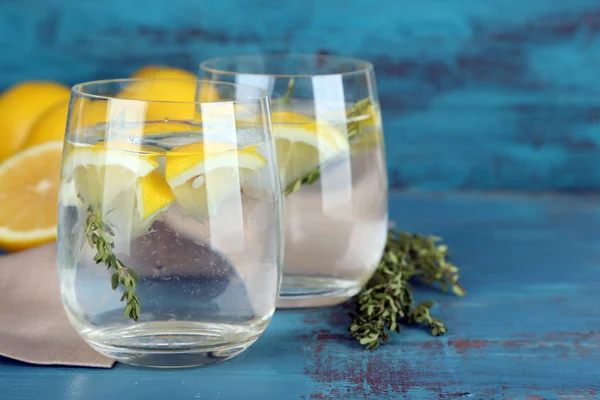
column 33, row 325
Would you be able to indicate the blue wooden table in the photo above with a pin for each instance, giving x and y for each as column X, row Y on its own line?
column 528, row 329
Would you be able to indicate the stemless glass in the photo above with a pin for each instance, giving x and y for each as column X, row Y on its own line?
column 170, row 233
column 331, row 161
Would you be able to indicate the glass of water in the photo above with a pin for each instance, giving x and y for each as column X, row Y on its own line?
column 331, row 162
column 170, row 234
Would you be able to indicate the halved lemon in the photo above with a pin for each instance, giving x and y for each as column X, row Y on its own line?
column 202, row 174
column 302, row 144
column 29, row 183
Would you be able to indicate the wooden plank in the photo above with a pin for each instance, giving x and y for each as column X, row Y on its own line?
column 473, row 91
column 528, row 329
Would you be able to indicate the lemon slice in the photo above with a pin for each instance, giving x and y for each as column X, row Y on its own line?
column 69, row 195
column 124, row 178
column 202, row 174
column 29, row 183
column 134, row 211
column 153, row 196
column 153, row 199
column 302, row 144
column 100, row 172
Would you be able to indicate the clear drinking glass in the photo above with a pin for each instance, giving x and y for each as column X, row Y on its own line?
column 331, row 161
column 170, row 233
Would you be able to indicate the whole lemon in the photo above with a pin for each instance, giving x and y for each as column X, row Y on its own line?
column 50, row 126
column 166, row 96
column 182, row 88
column 159, row 71
column 166, row 99
column 20, row 106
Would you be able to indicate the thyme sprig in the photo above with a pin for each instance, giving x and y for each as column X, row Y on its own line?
column 386, row 301
column 287, row 97
column 100, row 236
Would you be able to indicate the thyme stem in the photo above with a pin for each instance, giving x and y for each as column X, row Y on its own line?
column 100, row 236
column 386, row 301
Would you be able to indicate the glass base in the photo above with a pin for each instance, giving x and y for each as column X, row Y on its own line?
column 315, row 291
column 180, row 345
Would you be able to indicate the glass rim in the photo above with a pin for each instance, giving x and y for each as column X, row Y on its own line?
column 363, row 65
column 78, row 89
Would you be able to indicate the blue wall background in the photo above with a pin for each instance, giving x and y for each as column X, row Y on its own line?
column 476, row 94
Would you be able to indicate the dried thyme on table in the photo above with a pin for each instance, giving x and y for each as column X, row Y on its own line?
column 386, row 301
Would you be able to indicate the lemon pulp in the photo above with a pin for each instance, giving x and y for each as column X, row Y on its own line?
column 302, row 144
column 123, row 179
column 202, row 174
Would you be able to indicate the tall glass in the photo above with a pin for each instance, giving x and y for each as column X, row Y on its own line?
column 170, row 233
column 331, row 161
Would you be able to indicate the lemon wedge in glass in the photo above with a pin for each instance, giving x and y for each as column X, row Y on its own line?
column 153, row 198
column 121, row 177
column 202, row 174
column 100, row 173
column 302, row 144
column 132, row 212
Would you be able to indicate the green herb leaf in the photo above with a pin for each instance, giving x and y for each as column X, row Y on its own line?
column 100, row 237
column 386, row 301
column 114, row 280
column 293, row 187
column 287, row 97
column 133, row 274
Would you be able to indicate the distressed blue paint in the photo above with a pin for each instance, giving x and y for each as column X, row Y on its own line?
column 472, row 90
column 530, row 325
